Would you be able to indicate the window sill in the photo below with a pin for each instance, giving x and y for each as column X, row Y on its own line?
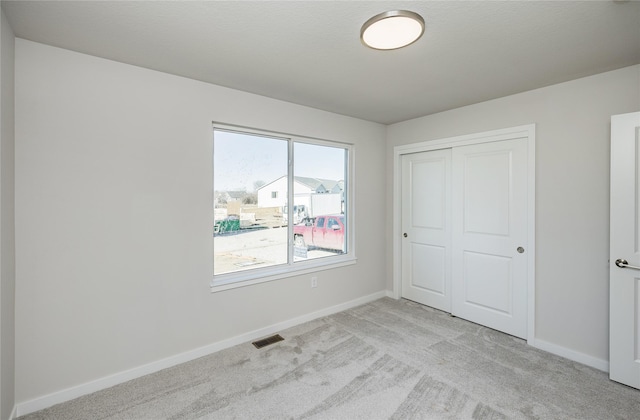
column 243, row 279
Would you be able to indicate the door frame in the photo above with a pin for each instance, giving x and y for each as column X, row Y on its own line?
column 524, row 131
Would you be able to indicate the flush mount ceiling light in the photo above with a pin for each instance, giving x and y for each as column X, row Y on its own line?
column 392, row 30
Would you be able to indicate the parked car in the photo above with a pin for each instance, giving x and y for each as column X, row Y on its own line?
column 326, row 231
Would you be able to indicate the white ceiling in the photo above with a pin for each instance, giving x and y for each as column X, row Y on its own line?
column 309, row 52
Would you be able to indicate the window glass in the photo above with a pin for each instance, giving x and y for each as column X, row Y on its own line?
column 248, row 173
column 319, row 188
column 261, row 224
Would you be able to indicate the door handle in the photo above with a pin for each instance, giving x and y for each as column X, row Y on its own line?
column 624, row 264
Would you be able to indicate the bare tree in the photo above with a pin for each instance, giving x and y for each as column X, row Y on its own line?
column 250, row 199
column 257, row 184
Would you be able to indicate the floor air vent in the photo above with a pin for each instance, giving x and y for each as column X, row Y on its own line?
column 266, row 341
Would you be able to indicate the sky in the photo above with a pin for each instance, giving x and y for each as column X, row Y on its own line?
column 239, row 160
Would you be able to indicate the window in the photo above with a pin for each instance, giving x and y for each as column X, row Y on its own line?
column 257, row 233
column 333, row 224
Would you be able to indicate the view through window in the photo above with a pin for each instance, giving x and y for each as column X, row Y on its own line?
column 254, row 226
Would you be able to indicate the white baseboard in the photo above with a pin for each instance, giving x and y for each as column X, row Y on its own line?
column 391, row 294
column 576, row 356
column 68, row 394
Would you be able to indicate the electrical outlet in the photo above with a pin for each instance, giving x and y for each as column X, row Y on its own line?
column 314, row 281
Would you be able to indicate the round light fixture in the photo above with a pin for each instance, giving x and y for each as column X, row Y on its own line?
column 392, row 30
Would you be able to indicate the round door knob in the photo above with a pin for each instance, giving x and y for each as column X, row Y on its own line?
column 405, row 234
column 622, row 263
column 520, row 250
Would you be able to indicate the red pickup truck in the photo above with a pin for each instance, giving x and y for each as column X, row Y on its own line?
column 326, row 232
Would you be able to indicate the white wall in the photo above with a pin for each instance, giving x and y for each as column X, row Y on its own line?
column 114, row 219
column 280, row 185
column 7, row 240
column 572, row 195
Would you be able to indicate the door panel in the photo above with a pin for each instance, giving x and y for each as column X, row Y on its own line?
column 426, row 209
column 624, row 283
column 489, row 223
column 486, row 193
column 487, row 282
column 428, row 195
column 333, row 237
column 432, row 260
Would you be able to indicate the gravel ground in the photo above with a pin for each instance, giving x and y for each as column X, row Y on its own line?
column 253, row 249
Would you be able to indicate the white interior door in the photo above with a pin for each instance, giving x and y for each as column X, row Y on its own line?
column 624, row 276
column 426, row 227
column 489, row 226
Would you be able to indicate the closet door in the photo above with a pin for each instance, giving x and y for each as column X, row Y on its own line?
column 489, row 235
column 426, row 227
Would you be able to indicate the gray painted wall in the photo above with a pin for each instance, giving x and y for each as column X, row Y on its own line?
column 7, row 239
column 114, row 218
column 572, row 194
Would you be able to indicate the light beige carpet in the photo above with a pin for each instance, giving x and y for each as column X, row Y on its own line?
column 385, row 360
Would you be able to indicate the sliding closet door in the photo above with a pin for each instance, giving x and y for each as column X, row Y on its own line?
column 426, row 227
column 489, row 235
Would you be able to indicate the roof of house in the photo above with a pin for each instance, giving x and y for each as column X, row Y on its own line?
column 313, row 183
column 236, row 194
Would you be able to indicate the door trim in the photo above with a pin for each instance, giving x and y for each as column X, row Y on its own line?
column 524, row 131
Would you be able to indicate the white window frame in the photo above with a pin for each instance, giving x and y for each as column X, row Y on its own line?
column 252, row 276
